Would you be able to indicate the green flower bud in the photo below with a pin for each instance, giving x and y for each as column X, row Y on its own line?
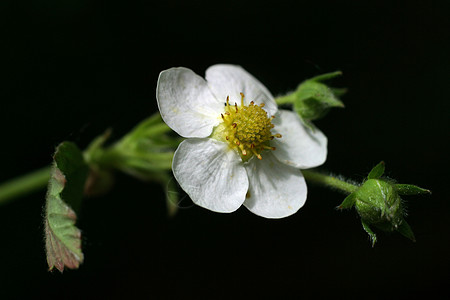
column 379, row 204
column 312, row 100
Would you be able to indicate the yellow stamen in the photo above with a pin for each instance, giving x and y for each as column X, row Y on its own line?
column 246, row 128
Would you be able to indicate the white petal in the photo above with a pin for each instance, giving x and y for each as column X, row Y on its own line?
column 211, row 174
column 276, row 190
column 186, row 104
column 230, row 80
column 299, row 146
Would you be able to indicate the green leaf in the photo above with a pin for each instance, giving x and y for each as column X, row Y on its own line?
column 348, row 202
column 372, row 235
column 377, row 171
column 65, row 191
column 409, row 189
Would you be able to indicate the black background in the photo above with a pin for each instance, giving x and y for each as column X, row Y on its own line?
column 71, row 69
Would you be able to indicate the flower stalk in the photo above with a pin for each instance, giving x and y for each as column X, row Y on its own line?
column 24, row 185
column 316, row 177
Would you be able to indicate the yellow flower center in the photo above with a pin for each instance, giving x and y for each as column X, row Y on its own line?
column 246, row 128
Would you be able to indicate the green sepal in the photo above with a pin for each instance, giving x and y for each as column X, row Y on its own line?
column 326, row 76
column 339, row 91
column 172, row 196
column 372, row 235
column 377, row 171
column 150, row 134
column 64, row 195
column 348, row 202
column 409, row 189
column 406, row 231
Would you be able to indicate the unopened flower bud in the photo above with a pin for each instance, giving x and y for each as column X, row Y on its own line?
column 313, row 99
column 379, row 204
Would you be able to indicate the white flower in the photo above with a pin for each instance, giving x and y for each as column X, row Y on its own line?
column 236, row 152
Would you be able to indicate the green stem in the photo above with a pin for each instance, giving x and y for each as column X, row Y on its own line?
column 23, row 185
column 330, row 181
column 286, row 99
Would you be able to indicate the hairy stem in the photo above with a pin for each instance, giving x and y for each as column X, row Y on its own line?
column 329, row 181
column 286, row 99
column 23, row 185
